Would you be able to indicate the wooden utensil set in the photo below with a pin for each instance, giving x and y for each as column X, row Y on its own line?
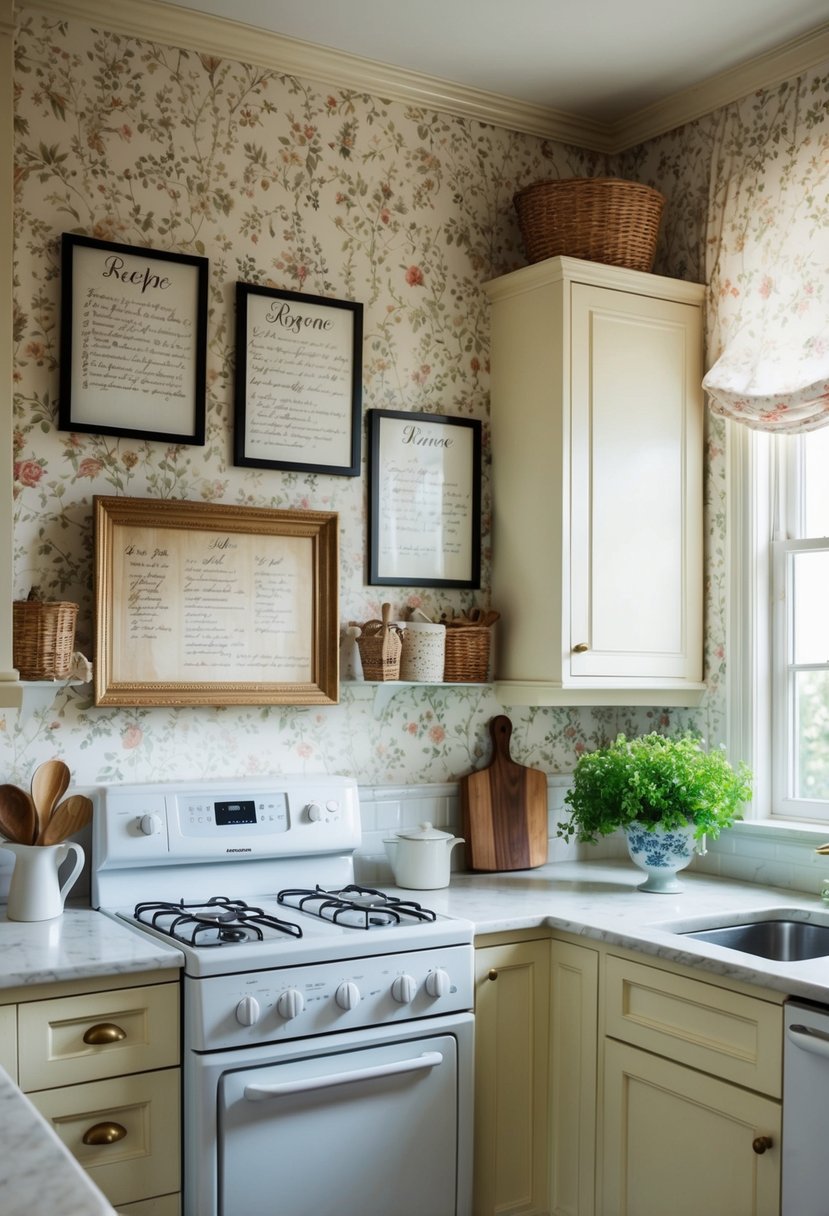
column 41, row 817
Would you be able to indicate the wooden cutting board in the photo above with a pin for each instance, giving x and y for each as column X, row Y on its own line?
column 504, row 809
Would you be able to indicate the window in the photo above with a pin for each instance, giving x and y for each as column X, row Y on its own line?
column 799, row 641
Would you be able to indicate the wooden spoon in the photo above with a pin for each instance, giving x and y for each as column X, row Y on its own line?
column 18, row 821
column 74, row 813
column 49, row 783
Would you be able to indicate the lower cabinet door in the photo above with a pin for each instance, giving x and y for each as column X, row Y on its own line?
column 681, row 1142
column 125, row 1131
column 512, row 1059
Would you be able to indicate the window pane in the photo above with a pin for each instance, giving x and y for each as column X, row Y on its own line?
column 811, row 770
column 816, row 488
column 811, row 606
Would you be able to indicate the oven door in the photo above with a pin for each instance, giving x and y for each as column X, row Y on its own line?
column 369, row 1128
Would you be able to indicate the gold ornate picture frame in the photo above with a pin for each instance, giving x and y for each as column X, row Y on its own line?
column 206, row 604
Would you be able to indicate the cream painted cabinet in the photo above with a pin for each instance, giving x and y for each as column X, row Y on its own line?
column 678, row 1134
column 574, row 1010
column 512, row 1059
column 103, row 1068
column 597, row 447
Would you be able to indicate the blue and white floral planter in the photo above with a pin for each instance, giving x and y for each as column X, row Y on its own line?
column 660, row 852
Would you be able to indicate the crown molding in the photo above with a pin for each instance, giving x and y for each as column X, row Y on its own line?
column 764, row 72
column 226, row 38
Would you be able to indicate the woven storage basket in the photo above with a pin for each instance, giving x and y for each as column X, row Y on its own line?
column 43, row 638
column 380, row 644
column 601, row 219
column 466, row 660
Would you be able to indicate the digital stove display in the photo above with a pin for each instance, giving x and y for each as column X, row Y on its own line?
column 230, row 814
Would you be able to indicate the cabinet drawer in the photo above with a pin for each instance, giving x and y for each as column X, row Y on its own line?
column 736, row 1037
column 97, row 1035
column 142, row 1111
column 8, row 1040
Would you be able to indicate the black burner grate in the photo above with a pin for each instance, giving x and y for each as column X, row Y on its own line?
column 355, row 906
column 213, row 922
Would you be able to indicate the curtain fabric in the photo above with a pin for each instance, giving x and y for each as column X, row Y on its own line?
column 767, row 261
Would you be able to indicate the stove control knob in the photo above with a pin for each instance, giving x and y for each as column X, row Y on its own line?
column 403, row 989
column 290, row 1004
column 247, row 1011
column 314, row 812
column 438, row 983
column 150, row 825
column 348, row 995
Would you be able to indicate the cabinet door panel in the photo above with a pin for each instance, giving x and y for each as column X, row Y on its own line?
column 636, row 461
column 679, row 1141
column 574, row 996
column 511, row 1081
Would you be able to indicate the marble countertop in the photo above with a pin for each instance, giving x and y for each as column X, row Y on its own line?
column 39, row 1174
column 599, row 901
column 78, row 945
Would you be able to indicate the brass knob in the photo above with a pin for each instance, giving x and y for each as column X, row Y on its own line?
column 580, row 648
column 761, row 1143
column 104, row 1032
column 104, row 1133
column 493, row 974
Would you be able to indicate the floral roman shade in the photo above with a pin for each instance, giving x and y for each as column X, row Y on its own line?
column 768, row 266
column 773, row 383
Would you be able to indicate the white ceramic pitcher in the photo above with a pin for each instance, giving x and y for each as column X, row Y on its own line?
column 35, row 891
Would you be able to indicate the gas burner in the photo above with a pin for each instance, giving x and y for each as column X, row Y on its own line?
column 214, row 922
column 355, row 906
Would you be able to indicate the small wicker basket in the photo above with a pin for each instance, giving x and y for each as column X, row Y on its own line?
column 466, row 660
column 380, row 644
column 601, row 219
column 43, row 638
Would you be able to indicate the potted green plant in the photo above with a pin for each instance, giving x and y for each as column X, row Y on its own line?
column 665, row 794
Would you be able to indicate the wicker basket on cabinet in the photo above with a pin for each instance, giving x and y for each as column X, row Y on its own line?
column 601, row 219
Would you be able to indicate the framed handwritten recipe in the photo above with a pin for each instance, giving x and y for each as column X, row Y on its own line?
column 205, row 604
column 298, row 381
column 424, row 500
column 133, row 340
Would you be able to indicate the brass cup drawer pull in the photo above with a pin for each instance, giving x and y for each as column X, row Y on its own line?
column 580, row 648
column 103, row 1033
column 104, row 1133
column 761, row 1143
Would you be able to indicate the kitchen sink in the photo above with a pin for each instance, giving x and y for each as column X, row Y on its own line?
column 784, row 941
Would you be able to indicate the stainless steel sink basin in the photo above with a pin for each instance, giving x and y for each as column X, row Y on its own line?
column 784, row 941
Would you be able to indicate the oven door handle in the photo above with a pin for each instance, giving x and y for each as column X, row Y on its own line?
column 261, row 1093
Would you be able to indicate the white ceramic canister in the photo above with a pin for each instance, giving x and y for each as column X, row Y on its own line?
column 424, row 647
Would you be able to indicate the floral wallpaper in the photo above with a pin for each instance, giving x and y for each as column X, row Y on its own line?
column 335, row 193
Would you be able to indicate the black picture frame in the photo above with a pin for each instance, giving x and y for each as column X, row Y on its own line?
column 133, row 341
column 424, row 500
column 298, row 399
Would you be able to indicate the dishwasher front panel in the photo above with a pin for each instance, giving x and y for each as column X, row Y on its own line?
column 805, row 1187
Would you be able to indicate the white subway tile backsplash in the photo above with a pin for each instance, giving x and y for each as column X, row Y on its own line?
column 748, row 856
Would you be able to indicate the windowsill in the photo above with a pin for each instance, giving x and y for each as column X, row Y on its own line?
column 795, row 831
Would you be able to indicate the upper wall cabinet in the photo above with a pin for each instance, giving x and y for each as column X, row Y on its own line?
column 597, row 443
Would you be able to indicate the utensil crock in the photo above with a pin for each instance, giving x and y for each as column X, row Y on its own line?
column 35, row 891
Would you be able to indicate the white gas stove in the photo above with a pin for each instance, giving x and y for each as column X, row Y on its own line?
column 344, row 1001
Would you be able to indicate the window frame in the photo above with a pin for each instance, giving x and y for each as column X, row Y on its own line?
column 761, row 496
